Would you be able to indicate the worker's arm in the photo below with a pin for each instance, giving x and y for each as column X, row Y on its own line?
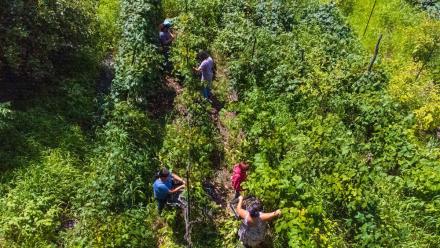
column 177, row 178
column 199, row 69
column 270, row 216
column 240, row 211
column 176, row 189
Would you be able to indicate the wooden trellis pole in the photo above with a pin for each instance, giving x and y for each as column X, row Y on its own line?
column 376, row 51
column 186, row 42
column 369, row 18
column 187, row 209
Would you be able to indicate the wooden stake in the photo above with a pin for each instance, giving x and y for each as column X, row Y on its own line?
column 376, row 51
column 186, row 42
column 187, row 211
column 369, row 18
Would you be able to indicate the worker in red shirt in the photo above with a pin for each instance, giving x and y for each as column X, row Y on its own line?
column 238, row 176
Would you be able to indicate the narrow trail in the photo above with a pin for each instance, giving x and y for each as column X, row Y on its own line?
column 218, row 187
column 163, row 102
column 172, row 83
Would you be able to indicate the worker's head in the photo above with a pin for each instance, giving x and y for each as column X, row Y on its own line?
column 202, row 55
column 254, row 208
column 163, row 28
column 163, row 174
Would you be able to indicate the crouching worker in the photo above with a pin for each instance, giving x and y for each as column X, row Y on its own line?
column 238, row 176
column 164, row 187
column 252, row 232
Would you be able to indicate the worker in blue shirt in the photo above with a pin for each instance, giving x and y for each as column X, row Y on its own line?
column 163, row 187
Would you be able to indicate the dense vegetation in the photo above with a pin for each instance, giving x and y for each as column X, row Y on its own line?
column 411, row 54
column 431, row 6
column 351, row 157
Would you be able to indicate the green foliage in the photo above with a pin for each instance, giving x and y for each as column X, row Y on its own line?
column 410, row 53
column 41, row 156
column 138, row 61
column 196, row 27
column 339, row 150
column 32, row 212
column 110, row 206
column 41, row 40
column 327, row 140
column 184, row 143
column 191, row 140
column 191, row 144
column 131, row 228
column 78, row 104
column 430, row 6
column 104, row 197
column 108, row 14
column 32, row 132
column 122, row 165
column 5, row 115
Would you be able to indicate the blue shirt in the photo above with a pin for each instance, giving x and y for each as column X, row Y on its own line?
column 161, row 189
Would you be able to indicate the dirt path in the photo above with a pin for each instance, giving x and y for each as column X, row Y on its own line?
column 173, row 84
column 159, row 106
column 163, row 101
column 218, row 187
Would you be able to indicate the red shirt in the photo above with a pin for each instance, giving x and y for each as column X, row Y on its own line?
column 238, row 176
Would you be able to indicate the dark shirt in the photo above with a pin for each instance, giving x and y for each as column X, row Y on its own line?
column 165, row 38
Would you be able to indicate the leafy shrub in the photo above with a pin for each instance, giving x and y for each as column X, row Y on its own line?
column 108, row 12
column 41, row 41
column 431, row 6
column 327, row 140
column 131, row 228
column 5, row 114
column 138, row 61
column 122, row 163
column 32, row 212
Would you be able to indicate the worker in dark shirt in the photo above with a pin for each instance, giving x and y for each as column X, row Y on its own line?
column 166, row 38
